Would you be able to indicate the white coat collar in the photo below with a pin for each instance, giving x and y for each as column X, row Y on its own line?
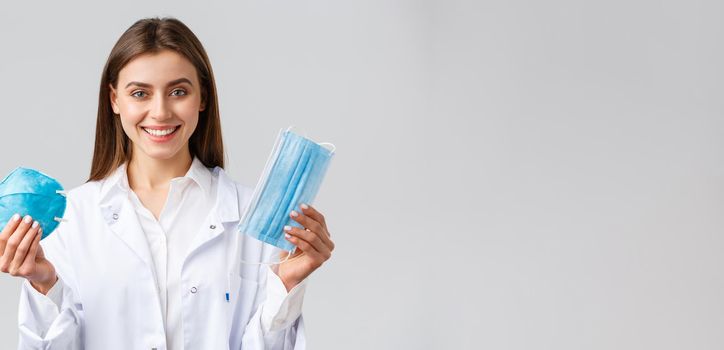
column 198, row 172
column 117, row 182
column 120, row 216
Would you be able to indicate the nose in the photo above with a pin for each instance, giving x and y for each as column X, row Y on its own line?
column 160, row 109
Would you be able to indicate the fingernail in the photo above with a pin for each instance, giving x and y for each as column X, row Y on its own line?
column 35, row 224
column 304, row 206
column 27, row 219
column 16, row 217
column 294, row 213
column 287, row 228
column 287, row 235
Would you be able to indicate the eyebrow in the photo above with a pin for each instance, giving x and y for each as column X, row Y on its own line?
column 173, row 82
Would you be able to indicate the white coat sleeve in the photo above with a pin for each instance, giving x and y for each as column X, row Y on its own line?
column 51, row 321
column 277, row 324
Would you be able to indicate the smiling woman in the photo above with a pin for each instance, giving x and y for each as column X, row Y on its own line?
column 157, row 77
column 150, row 256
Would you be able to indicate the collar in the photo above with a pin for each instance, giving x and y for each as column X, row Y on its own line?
column 117, row 182
column 198, row 172
column 117, row 211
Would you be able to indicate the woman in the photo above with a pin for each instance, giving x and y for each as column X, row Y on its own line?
column 149, row 257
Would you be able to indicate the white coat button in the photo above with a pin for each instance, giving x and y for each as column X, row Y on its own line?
column 193, row 289
column 212, row 227
column 115, row 216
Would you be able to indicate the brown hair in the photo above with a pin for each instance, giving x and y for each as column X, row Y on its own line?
column 151, row 35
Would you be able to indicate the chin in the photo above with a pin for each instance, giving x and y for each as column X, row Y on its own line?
column 161, row 154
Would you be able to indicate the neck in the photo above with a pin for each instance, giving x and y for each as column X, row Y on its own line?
column 150, row 174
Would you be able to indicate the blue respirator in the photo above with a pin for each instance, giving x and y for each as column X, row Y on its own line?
column 30, row 192
column 292, row 176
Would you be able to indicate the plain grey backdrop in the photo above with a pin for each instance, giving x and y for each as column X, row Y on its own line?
column 509, row 174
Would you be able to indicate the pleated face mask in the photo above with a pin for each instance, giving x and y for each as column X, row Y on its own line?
column 30, row 192
column 292, row 176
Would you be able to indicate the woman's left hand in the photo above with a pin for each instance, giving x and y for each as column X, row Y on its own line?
column 314, row 246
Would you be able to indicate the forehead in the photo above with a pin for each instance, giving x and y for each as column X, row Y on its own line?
column 157, row 68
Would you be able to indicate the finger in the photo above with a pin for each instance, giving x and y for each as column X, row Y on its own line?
column 313, row 213
column 325, row 236
column 305, row 247
column 13, row 243
column 330, row 244
column 306, row 221
column 29, row 261
column 310, row 237
column 23, row 249
column 8, row 230
column 322, row 236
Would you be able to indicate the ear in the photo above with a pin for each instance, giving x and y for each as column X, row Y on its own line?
column 203, row 102
column 113, row 97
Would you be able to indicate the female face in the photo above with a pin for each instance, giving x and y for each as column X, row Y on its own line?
column 158, row 98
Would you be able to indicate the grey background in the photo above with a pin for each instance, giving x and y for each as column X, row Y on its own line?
column 509, row 174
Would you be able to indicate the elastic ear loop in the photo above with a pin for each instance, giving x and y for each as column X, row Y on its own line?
column 334, row 148
column 321, row 143
column 290, row 128
column 64, row 194
column 275, row 263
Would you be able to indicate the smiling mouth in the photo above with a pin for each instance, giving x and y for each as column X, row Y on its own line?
column 161, row 133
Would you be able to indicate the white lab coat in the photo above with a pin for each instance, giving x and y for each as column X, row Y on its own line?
column 110, row 298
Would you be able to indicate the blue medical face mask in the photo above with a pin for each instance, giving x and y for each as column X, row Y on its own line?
column 30, row 192
column 292, row 176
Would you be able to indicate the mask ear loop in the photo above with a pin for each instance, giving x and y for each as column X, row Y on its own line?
column 64, row 194
column 290, row 253
column 290, row 128
column 334, row 148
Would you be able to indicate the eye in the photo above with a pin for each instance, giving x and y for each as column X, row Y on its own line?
column 181, row 90
column 136, row 92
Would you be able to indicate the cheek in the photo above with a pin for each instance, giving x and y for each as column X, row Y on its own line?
column 129, row 127
column 131, row 113
column 130, row 119
column 191, row 104
column 190, row 122
column 188, row 111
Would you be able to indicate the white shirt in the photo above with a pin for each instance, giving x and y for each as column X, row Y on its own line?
column 189, row 202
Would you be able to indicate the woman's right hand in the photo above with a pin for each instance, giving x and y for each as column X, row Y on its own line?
column 22, row 255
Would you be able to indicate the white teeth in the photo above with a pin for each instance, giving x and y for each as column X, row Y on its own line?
column 159, row 132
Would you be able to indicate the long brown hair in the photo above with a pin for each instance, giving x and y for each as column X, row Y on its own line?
column 151, row 35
